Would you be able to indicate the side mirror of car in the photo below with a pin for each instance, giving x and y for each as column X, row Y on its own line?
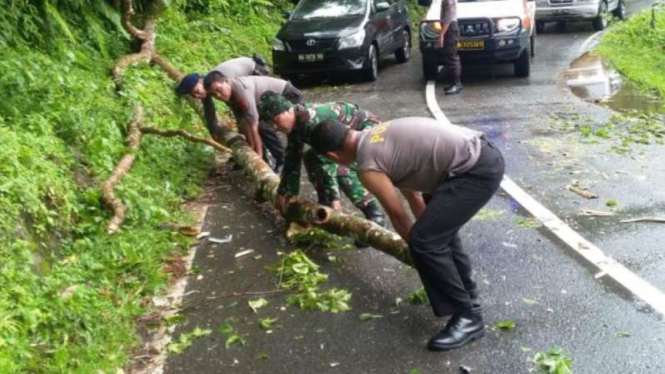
column 426, row 3
column 286, row 14
column 382, row 7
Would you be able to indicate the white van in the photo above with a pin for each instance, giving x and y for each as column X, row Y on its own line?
column 490, row 31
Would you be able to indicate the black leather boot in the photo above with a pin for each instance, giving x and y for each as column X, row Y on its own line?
column 462, row 329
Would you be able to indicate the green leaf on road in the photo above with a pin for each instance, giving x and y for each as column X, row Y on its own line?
column 621, row 334
column 256, row 304
column 226, row 328
column 364, row 317
column 553, row 361
column 234, row 339
column 528, row 301
column 267, row 323
column 419, row 297
column 525, row 349
column 611, row 203
column 185, row 340
column 504, row 325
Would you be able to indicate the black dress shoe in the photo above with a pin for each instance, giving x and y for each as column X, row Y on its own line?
column 454, row 89
column 462, row 328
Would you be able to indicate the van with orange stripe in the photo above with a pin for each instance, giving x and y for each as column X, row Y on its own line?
column 494, row 31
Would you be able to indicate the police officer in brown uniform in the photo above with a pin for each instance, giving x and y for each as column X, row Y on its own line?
column 448, row 41
column 447, row 174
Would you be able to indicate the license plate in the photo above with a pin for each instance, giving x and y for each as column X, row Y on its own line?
column 471, row 45
column 310, row 57
column 561, row 12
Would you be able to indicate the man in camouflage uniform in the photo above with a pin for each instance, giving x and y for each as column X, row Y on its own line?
column 297, row 122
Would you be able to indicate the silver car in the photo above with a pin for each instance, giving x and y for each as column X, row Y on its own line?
column 596, row 11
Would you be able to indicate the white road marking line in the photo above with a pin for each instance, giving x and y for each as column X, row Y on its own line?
column 175, row 294
column 608, row 266
column 588, row 41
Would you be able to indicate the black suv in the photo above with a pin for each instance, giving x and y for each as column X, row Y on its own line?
column 325, row 36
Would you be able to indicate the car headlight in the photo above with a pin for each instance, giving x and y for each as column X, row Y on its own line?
column 352, row 41
column 504, row 26
column 278, row 45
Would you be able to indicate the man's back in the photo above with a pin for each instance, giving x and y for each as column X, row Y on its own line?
column 418, row 153
column 237, row 67
column 255, row 86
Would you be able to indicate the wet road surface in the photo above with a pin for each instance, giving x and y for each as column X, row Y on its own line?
column 525, row 274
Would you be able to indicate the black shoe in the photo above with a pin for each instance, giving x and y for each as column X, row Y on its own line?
column 454, row 89
column 373, row 213
column 462, row 328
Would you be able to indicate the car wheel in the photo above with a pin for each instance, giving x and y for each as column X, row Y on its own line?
column 403, row 54
column 600, row 22
column 371, row 70
column 540, row 26
column 523, row 64
column 430, row 70
column 620, row 11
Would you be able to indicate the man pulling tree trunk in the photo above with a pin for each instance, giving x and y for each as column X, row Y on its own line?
column 297, row 122
column 192, row 84
column 242, row 96
column 458, row 170
column 448, row 41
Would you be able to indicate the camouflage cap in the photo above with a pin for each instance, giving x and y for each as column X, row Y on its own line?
column 272, row 104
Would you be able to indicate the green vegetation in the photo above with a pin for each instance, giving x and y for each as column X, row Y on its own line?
column 504, row 325
column 185, row 340
column 71, row 292
column 298, row 272
column 624, row 130
column 636, row 49
column 553, row 361
column 418, row 297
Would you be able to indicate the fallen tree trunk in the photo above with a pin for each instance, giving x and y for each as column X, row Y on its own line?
column 307, row 213
column 265, row 180
column 108, row 187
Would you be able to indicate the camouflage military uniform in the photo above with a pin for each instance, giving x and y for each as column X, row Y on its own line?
column 326, row 176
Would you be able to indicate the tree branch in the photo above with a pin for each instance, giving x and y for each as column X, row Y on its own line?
column 108, row 194
column 186, row 135
column 128, row 12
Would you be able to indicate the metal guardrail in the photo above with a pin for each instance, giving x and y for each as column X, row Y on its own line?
column 657, row 4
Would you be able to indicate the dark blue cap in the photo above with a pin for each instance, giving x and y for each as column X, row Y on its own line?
column 187, row 84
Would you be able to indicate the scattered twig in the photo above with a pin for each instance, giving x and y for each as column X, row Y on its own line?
column 585, row 194
column 595, row 213
column 645, row 219
column 125, row 164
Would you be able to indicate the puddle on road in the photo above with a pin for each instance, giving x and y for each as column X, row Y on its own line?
column 593, row 80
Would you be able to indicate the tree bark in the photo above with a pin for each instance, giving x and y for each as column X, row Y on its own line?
column 108, row 194
column 147, row 36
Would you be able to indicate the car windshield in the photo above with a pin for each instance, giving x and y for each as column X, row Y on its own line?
column 317, row 9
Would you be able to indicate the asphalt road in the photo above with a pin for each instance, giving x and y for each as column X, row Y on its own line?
column 526, row 275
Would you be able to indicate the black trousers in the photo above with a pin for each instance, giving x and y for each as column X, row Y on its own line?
column 434, row 241
column 451, row 60
column 268, row 134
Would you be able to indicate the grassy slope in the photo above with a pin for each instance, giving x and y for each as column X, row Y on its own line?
column 70, row 292
column 637, row 50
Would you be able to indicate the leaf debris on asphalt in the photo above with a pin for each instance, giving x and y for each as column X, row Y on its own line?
column 504, row 325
